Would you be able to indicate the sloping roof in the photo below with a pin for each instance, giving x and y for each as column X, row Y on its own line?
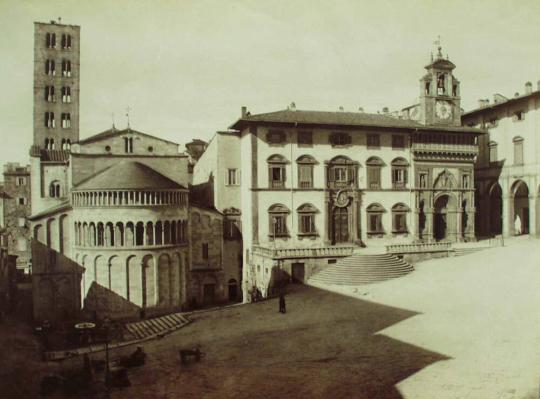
column 351, row 119
column 114, row 132
column 128, row 175
column 63, row 206
column 500, row 104
column 49, row 155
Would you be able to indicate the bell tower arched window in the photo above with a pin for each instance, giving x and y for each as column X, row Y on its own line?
column 54, row 189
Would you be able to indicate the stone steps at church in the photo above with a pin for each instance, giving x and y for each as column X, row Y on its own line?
column 157, row 325
column 360, row 269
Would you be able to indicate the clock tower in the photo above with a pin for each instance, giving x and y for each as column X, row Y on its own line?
column 439, row 94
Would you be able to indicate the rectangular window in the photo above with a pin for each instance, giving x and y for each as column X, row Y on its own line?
column 518, row 116
column 21, row 181
column 275, row 137
column 305, row 176
column 373, row 141
column 518, row 152
column 66, row 120
column 232, row 177
column 398, row 142
column 66, row 68
column 400, row 223
column 374, row 177
column 339, row 138
column 277, row 176
column 66, row 41
column 375, row 223
column 66, row 94
column 49, row 119
column 49, row 94
column 307, row 224
column 278, row 225
column 21, row 200
column 305, row 138
column 205, row 251
column 50, row 67
column 341, row 175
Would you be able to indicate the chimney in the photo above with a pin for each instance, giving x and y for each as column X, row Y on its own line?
column 483, row 103
column 385, row 110
column 292, row 107
column 538, row 85
column 360, row 109
column 341, row 109
column 528, row 88
column 244, row 111
column 516, row 94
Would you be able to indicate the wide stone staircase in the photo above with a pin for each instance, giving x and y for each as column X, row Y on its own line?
column 360, row 269
column 156, row 326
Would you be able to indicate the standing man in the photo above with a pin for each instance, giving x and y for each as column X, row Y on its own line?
column 282, row 308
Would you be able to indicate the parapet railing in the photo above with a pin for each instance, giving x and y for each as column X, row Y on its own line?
column 288, row 253
column 419, row 248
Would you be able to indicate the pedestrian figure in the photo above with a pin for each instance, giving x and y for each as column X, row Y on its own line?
column 517, row 225
column 282, row 308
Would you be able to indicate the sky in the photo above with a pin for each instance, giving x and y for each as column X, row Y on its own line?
column 185, row 68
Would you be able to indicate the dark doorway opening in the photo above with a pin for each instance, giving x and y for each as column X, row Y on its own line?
column 298, row 273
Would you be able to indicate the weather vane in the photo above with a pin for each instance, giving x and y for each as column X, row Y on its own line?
column 127, row 115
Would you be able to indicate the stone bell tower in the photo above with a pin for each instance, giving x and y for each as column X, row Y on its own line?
column 440, row 94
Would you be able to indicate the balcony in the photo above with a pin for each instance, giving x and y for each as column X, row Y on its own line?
column 291, row 253
column 437, row 147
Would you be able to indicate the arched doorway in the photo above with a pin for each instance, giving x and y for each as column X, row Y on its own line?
column 340, row 225
column 520, row 200
column 444, row 223
column 233, row 290
column 495, row 209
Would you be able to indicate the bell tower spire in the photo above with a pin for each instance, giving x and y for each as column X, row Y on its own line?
column 439, row 92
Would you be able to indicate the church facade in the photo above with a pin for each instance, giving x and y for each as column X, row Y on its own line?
column 113, row 211
column 315, row 186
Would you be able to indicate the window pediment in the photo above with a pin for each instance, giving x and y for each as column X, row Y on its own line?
column 278, row 208
column 375, row 161
column 375, row 208
column 277, row 159
column 307, row 208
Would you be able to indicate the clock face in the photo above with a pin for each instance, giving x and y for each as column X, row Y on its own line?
column 443, row 109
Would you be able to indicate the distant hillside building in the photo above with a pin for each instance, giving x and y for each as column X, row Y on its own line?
column 507, row 174
column 307, row 187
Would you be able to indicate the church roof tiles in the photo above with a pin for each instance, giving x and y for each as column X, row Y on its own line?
column 128, row 175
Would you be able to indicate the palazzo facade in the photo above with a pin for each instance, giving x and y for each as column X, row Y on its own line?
column 313, row 186
column 507, row 175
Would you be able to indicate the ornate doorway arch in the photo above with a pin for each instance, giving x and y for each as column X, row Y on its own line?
column 444, row 223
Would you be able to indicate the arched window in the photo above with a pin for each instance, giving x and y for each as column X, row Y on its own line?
column 139, row 234
column 305, row 171
column 306, row 219
column 399, row 218
column 399, row 173
column 518, row 150
column 373, row 167
column 276, row 171
column 149, row 233
column 374, row 219
column 277, row 217
column 341, row 172
column 159, row 233
column 100, row 235
column 54, row 189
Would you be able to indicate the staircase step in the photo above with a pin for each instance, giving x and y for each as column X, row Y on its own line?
column 363, row 269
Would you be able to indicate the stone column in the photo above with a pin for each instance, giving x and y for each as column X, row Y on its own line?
column 327, row 216
column 459, row 224
column 508, row 212
column 532, row 216
column 469, row 231
column 429, row 224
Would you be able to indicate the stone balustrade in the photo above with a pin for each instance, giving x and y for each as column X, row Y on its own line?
column 419, row 248
column 469, row 148
column 290, row 253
